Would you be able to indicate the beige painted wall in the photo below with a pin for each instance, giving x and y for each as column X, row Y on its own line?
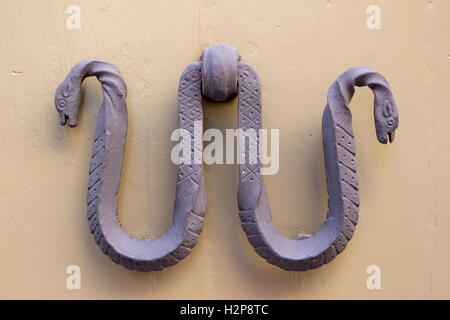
column 298, row 48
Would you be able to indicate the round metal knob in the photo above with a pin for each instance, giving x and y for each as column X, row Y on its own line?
column 220, row 72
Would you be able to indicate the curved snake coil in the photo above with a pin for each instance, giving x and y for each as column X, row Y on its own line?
column 106, row 166
column 342, row 183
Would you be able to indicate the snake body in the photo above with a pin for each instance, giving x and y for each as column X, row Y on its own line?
column 106, row 166
column 342, row 183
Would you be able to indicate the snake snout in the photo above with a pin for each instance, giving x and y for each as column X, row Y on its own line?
column 62, row 118
column 391, row 136
column 67, row 118
column 385, row 135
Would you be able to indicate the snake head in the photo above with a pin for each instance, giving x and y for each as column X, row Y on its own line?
column 386, row 119
column 67, row 102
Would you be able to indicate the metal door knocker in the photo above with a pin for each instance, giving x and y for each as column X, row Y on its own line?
column 220, row 76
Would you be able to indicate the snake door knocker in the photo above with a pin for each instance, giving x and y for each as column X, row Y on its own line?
column 220, row 76
column 106, row 166
column 224, row 76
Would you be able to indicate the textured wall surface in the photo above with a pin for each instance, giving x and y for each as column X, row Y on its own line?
column 298, row 48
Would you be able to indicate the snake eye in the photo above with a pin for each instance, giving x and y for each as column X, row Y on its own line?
column 390, row 121
column 62, row 103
